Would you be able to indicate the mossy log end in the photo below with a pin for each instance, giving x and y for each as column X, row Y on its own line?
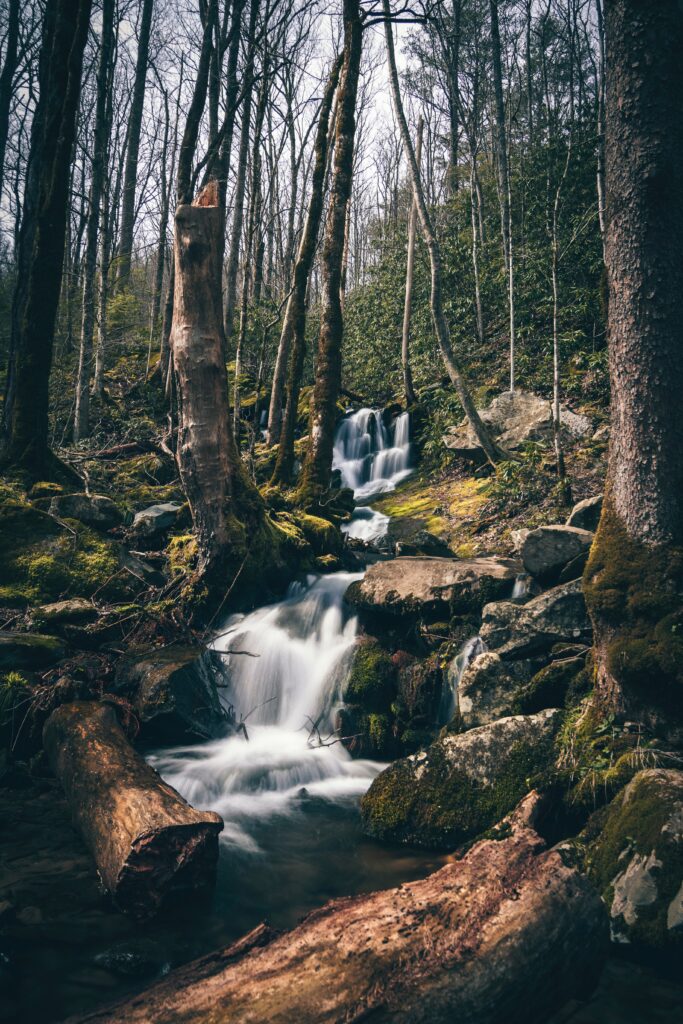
column 145, row 839
column 468, row 943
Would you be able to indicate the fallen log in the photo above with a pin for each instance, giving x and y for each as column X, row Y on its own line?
column 506, row 934
column 145, row 839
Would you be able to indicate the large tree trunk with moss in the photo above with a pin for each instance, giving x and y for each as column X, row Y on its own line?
column 226, row 507
column 634, row 578
column 466, row 944
column 294, row 326
column 316, row 471
column 40, row 254
column 145, row 839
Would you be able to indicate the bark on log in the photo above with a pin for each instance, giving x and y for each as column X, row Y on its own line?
column 504, row 935
column 145, row 839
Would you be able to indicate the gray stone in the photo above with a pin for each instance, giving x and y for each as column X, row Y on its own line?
column 94, row 510
column 514, row 419
column 548, row 549
column 75, row 611
column 518, row 631
column 586, row 514
column 156, row 519
column 432, row 586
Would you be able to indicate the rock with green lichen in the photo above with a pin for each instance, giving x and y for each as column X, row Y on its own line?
column 636, row 860
column 371, row 682
column 75, row 611
column 95, row 510
column 174, row 694
column 518, row 631
column 550, row 686
column 462, row 784
column 29, row 650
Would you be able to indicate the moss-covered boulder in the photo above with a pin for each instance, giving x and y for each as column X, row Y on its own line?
column 462, row 784
column 371, row 682
column 29, row 650
column 636, row 860
column 550, row 687
column 173, row 692
column 95, row 510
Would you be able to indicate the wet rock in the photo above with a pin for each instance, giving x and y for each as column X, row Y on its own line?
column 95, row 510
column 547, row 550
column 74, row 612
column 174, row 695
column 513, row 420
column 637, row 860
column 156, row 519
column 432, row 588
column 462, row 784
column 29, row 650
column 586, row 514
column 518, row 631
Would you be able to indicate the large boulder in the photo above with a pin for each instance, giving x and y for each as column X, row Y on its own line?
column 637, row 859
column 514, row 419
column 525, row 630
column 173, row 693
column 462, row 784
column 586, row 514
column 432, row 588
column 29, row 650
column 547, row 550
column 92, row 509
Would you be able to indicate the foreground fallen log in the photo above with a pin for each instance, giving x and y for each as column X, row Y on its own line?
column 506, row 934
column 145, row 839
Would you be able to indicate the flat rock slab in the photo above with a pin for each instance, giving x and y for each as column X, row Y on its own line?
column 421, row 585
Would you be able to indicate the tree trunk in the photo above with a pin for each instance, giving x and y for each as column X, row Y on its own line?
column 82, row 411
column 9, row 68
column 232, row 267
column 294, row 326
column 467, row 944
column 493, row 451
column 405, row 340
column 41, row 256
column 503, row 168
column 226, row 508
column 145, row 839
column 134, row 130
column 316, row 471
column 634, row 578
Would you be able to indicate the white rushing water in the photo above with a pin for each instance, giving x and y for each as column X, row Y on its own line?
column 284, row 669
column 470, row 650
column 285, row 666
column 372, row 460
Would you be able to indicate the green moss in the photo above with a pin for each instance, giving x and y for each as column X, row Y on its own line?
column 182, row 554
column 633, row 591
column 548, row 688
column 372, row 678
column 444, row 806
column 633, row 824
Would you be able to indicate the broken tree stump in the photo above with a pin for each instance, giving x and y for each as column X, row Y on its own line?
column 503, row 936
column 145, row 839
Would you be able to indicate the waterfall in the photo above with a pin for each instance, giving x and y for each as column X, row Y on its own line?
column 522, row 587
column 284, row 668
column 470, row 650
column 372, row 460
